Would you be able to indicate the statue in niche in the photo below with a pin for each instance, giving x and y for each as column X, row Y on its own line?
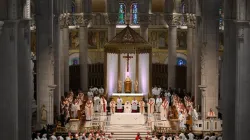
column 92, row 40
column 119, row 86
column 136, row 86
column 182, row 39
column 74, row 40
column 43, row 113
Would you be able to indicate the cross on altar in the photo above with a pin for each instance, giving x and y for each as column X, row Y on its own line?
column 127, row 57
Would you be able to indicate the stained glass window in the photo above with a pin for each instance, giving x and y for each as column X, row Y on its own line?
column 221, row 14
column 181, row 62
column 134, row 13
column 122, row 12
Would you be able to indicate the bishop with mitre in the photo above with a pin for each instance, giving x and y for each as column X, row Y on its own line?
column 112, row 106
column 134, row 105
column 119, row 104
column 127, row 107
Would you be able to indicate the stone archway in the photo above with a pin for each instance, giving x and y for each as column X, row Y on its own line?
column 74, row 59
column 178, row 55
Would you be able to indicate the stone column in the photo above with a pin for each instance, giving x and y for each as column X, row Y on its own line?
column 189, row 52
column 242, row 97
column 78, row 4
column 228, row 72
column 24, row 74
column 112, row 21
column 66, row 55
column 144, row 21
column 209, row 56
column 9, row 80
column 172, row 37
column 58, row 64
column 44, row 48
column 84, row 54
column 197, row 62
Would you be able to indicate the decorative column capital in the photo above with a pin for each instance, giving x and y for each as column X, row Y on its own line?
column 190, row 20
column 144, row 18
column 83, row 20
column 1, row 24
column 64, row 20
column 112, row 18
column 173, row 19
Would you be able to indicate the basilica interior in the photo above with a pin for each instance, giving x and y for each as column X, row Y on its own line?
column 188, row 52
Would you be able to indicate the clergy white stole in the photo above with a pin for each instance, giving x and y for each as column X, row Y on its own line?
column 151, row 107
column 134, row 105
column 119, row 103
column 165, row 107
column 89, row 108
column 103, row 105
column 142, row 104
column 112, row 107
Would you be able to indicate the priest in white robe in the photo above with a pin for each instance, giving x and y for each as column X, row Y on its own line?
column 164, row 110
column 112, row 105
column 97, row 104
column 182, row 119
column 103, row 106
column 53, row 137
column 90, row 95
column 127, row 107
column 119, row 104
column 190, row 136
column 134, row 105
column 37, row 136
column 142, row 106
column 75, row 108
column 182, row 136
column 158, row 104
column 89, row 110
column 150, row 106
column 101, row 91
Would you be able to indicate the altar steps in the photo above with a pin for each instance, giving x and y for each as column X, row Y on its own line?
column 126, row 132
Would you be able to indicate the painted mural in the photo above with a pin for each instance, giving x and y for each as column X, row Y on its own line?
column 158, row 39
column 181, row 39
column 74, row 39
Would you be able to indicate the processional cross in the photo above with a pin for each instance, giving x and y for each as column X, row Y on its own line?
column 127, row 57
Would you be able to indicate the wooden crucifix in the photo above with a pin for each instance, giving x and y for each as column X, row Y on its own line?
column 127, row 57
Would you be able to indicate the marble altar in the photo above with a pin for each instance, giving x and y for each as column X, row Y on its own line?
column 127, row 118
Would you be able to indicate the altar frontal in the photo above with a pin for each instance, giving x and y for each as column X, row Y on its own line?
column 128, row 59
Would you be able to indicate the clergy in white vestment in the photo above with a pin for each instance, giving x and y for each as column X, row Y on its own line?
column 60, row 138
column 90, row 95
column 219, row 138
column 37, row 136
column 211, row 114
column 44, row 137
column 182, row 136
column 190, row 136
column 97, row 104
column 103, row 106
column 142, row 106
column 101, row 91
column 89, row 110
column 195, row 115
column 75, row 108
column 158, row 103
column 182, row 119
column 127, row 107
column 112, row 106
column 119, row 104
column 150, row 105
column 163, row 137
column 81, row 97
column 134, row 105
column 53, row 137
column 164, row 110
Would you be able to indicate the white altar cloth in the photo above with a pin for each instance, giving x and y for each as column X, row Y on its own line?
column 127, row 94
column 127, row 118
